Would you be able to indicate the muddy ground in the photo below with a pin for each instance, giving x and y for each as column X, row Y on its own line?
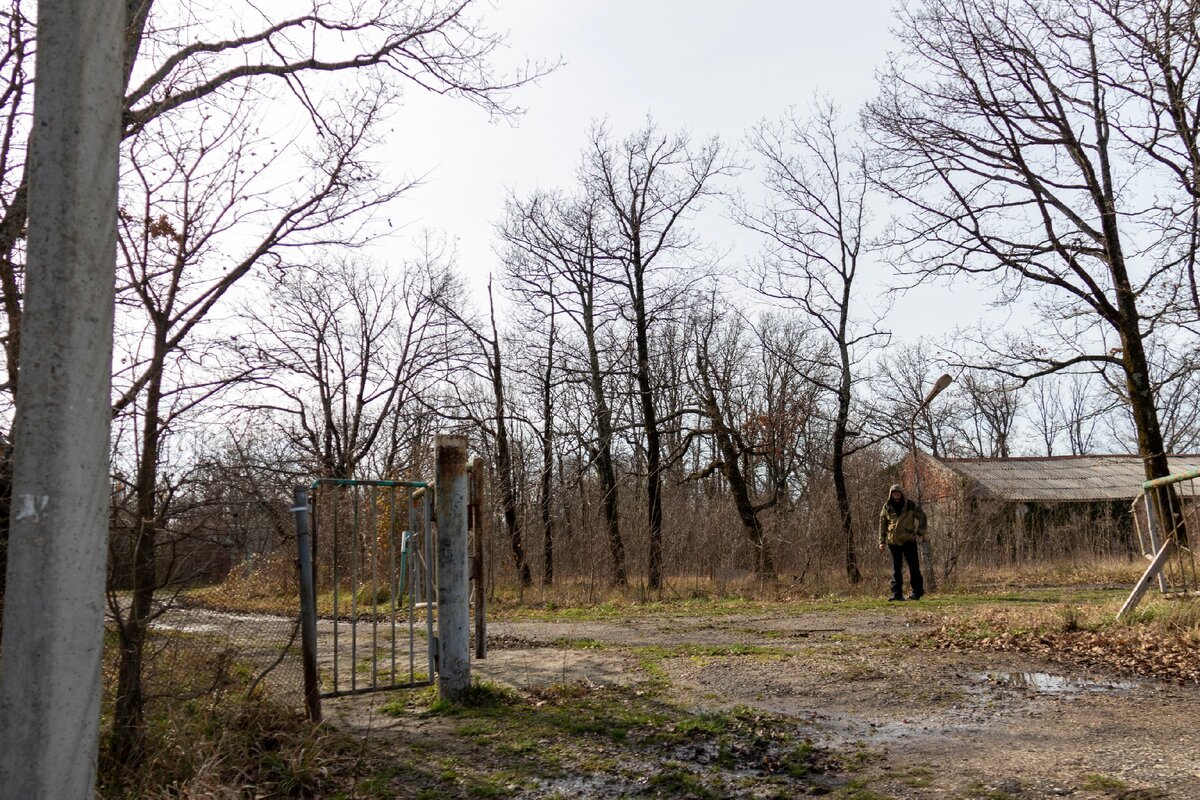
column 935, row 723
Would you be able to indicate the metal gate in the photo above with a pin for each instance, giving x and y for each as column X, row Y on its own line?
column 371, row 591
column 1170, row 509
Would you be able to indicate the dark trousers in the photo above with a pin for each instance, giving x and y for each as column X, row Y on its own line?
column 900, row 554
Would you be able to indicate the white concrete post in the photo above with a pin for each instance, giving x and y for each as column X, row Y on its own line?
column 54, row 607
column 454, row 633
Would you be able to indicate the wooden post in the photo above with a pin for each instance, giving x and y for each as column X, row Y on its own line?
column 453, row 597
column 1153, row 571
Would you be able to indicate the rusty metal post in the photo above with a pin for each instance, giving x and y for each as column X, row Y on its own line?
column 924, row 550
column 477, row 528
column 308, row 606
column 453, row 597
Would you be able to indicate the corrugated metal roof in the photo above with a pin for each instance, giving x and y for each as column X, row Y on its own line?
column 1062, row 478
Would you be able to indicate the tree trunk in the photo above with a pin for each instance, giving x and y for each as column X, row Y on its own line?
column 653, row 439
column 504, row 461
column 127, row 746
column 547, row 476
column 603, row 456
column 839, row 468
column 764, row 563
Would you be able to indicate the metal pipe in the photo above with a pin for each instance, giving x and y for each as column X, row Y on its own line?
column 476, row 518
column 354, row 593
column 373, row 521
column 308, row 606
column 337, row 579
column 924, row 549
column 430, row 640
column 406, row 560
column 1169, row 479
column 393, row 580
column 1155, row 542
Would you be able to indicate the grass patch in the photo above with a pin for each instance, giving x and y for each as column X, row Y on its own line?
column 629, row 739
column 1103, row 783
column 569, row 643
column 677, row 781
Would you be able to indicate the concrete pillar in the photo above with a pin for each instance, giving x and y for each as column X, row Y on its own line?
column 54, row 608
column 454, row 616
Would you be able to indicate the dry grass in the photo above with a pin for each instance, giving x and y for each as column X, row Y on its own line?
column 208, row 735
column 1107, row 571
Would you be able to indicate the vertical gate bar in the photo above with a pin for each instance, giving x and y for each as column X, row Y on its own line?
column 373, row 520
column 477, row 502
column 1187, row 575
column 1152, row 506
column 393, row 588
column 410, row 578
column 427, row 509
column 1192, row 553
column 308, row 605
column 314, row 541
column 354, row 548
column 337, row 493
column 1173, row 535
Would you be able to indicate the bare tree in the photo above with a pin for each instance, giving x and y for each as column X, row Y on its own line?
column 191, row 188
column 998, row 127
column 546, row 376
column 554, row 262
column 172, row 62
column 992, row 408
column 646, row 187
column 782, row 428
column 814, row 222
column 505, row 466
column 345, row 352
column 1151, row 50
column 1067, row 409
column 486, row 405
column 902, row 380
column 721, row 351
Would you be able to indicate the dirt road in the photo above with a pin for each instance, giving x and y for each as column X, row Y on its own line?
column 931, row 723
column 946, row 724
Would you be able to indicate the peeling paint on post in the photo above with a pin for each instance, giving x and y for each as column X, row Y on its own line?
column 454, row 634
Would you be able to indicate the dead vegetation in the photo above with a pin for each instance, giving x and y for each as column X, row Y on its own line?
column 210, row 736
column 1161, row 640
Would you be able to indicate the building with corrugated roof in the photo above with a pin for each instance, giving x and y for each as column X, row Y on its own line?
column 1012, row 509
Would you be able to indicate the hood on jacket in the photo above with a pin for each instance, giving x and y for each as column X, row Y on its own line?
column 897, row 488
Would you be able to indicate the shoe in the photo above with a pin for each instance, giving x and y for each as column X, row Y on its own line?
column 894, row 598
column 915, row 596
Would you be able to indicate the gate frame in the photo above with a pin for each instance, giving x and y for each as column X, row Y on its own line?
column 307, row 544
column 1174, row 543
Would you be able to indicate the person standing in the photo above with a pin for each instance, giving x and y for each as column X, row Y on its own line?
column 902, row 526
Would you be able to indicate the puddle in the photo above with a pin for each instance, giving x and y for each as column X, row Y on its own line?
column 1047, row 683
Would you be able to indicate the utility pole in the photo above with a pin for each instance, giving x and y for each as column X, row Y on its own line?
column 54, row 604
column 453, row 598
column 924, row 550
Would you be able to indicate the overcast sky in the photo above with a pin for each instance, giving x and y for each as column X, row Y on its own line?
column 712, row 67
